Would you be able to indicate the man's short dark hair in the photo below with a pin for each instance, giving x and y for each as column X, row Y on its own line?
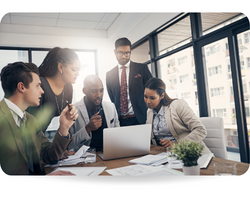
column 14, row 73
column 122, row 42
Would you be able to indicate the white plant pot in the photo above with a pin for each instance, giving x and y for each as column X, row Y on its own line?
column 193, row 170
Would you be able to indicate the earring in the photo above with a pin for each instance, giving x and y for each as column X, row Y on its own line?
column 61, row 72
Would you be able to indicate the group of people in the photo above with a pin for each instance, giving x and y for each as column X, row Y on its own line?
column 35, row 95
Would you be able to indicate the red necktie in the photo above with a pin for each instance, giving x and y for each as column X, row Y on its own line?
column 124, row 95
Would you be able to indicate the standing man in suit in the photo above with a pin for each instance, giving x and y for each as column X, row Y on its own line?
column 22, row 144
column 125, row 85
column 94, row 116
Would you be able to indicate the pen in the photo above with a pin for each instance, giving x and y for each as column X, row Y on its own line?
column 69, row 108
column 99, row 111
column 68, row 105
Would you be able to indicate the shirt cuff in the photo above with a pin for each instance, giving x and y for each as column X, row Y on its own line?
column 67, row 137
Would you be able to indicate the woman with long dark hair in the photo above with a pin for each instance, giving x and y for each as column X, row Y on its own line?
column 172, row 119
column 58, row 72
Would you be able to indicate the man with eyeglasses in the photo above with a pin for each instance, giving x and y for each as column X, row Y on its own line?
column 125, row 85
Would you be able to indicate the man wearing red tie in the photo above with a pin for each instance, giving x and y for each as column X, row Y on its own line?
column 125, row 85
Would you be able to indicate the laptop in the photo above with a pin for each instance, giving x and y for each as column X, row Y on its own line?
column 126, row 141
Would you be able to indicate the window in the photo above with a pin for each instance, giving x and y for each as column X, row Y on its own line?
column 168, row 39
column 247, row 37
column 247, row 112
column 213, row 21
column 215, row 70
column 182, row 60
column 241, row 62
column 141, row 53
column 217, row 91
column 220, row 113
column 171, row 66
column 186, row 73
column 186, row 95
column 248, row 62
column 213, row 49
column 184, row 78
column 221, row 94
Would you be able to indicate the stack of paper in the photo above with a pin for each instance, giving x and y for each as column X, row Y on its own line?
column 73, row 159
column 153, row 160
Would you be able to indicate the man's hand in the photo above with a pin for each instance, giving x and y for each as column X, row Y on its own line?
column 166, row 143
column 66, row 154
column 62, row 173
column 67, row 119
column 94, row 123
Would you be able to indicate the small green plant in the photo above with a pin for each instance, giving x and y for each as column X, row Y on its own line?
column 187, row 151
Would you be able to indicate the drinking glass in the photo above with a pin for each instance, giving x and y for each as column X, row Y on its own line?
column 90, row 156
column 168, row 151
column 225, row 169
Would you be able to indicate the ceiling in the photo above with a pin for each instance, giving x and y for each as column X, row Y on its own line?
column 92, row 21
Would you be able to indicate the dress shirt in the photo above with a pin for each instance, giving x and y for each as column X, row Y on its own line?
column 130, row 108
column 160, row 128
column 16, row 112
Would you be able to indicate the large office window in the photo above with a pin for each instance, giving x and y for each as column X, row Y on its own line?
column 213, row 21
column 180, row 79
column 245, row 75
column 221, row 90
column 174, row 36
column 195, row 56
column 141, row 53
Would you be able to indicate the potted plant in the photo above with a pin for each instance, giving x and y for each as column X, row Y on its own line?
column 188, row 152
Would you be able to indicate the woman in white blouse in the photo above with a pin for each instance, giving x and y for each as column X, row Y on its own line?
column 172, row 119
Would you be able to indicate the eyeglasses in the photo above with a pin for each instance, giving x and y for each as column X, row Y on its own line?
column 120, row 53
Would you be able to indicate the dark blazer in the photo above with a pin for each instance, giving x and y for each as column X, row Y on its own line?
column 138, row 76
column 13, row 159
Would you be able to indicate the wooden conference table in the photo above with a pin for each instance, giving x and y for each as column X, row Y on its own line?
column 122, row 162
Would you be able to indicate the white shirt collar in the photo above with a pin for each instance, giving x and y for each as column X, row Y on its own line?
column 126, row 65
column 14, row 108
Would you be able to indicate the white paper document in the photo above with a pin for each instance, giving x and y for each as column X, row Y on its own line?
column 71, row 160
column 83, row 171
column 143, row 170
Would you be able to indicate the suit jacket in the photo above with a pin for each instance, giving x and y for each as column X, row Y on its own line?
column 182, row 123
column 136, row 88
column 80, row 135
column 13, row 158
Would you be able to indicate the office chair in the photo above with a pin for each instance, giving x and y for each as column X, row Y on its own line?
column 215, row 139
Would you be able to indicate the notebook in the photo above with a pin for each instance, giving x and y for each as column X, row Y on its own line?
column 126, row 141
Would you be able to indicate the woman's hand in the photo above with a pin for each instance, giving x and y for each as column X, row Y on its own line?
column 166, row 143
